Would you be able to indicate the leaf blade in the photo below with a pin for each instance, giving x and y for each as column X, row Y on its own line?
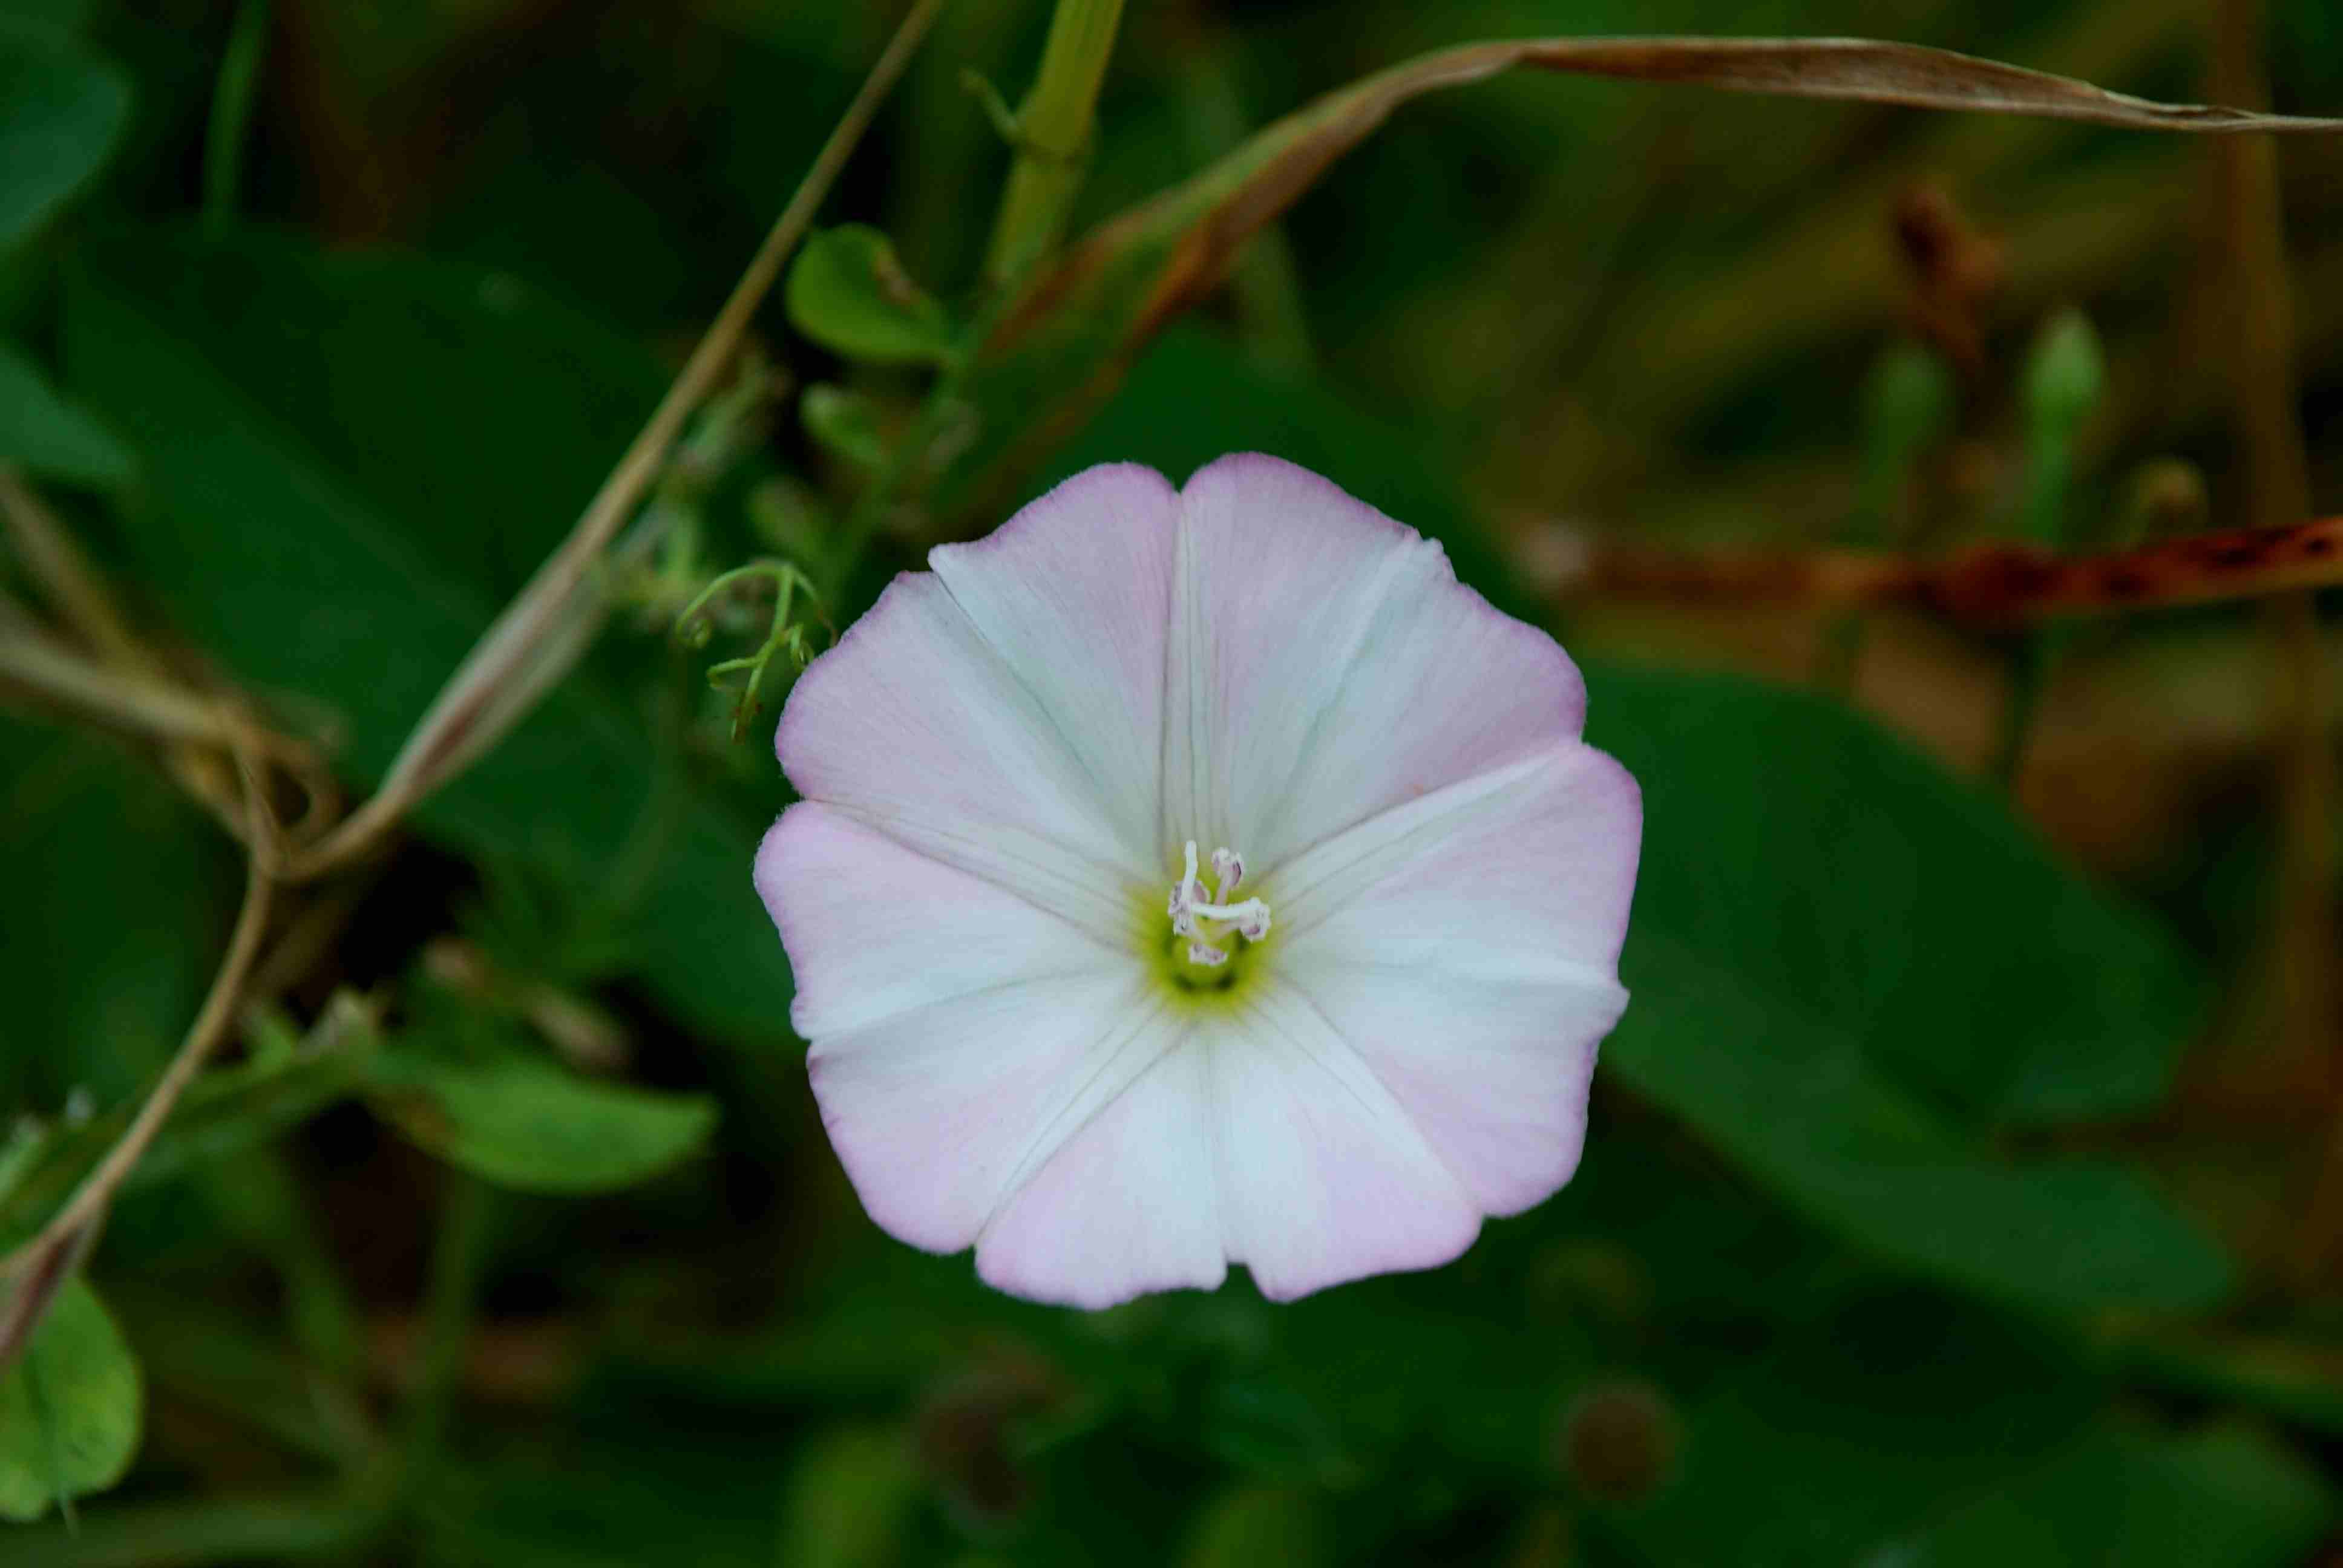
column 289, row 483
column 77, row 1431
column 520, row 1122
column 62, row 113
column 48, row 433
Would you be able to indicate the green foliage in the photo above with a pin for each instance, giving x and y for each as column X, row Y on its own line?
column 784, row 634
column 1786, row 954
column 1893, row 1236
column 520, row 1122
column 847, row 1501
column 1258, row 1525
column 1843, row 1446
column 350, row 460
column 2066, row 374
column 69, row 1410
column 2122, row 1493
column 61, row 114
column 844, row 423
column 849, row 293
column 226, row 1110
column 47, row 434
column 1910, row 401
column 2064, row 380
column 131, row 885
column 463, row 1081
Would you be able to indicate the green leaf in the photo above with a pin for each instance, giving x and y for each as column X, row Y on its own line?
column 1846, row 965
column 48, row 433
column 2125, row 1493
column 70, row 1412
column 521, row 1121
column 849, row 293
column 61, row 114
column 350, row 461
column 1244, row 1528
column 845, row 423
column 224, row 1110
column 1909, row 1431
column 2298, row 1380
column 608, row 1500
column 49, row 21
column 848, row 1499
column 135, row 889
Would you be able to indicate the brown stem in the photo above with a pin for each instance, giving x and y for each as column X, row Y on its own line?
column 41, row 1264
column 66, row 577
column 541, row 633
column 164, row 712
column 133, row 684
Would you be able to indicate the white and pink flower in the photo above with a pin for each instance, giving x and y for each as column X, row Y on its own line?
column 1196, row 876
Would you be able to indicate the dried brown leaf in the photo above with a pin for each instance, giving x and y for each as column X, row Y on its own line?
column 1063, row 343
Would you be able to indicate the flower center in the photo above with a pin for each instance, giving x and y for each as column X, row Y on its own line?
column 1211, row 926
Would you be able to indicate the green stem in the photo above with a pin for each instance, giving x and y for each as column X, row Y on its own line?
column 139, row 1536
column 2049, row 471
column 915, row 450
column 458, row 1259
column 782, row 633
column 224, row 136
column 1910, row 402
column 1053, row 134
column 2035, row 659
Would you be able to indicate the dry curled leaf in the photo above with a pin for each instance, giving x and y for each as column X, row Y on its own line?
column 1062, row 344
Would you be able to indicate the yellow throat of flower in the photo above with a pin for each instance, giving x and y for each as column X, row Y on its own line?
column 1206, row 947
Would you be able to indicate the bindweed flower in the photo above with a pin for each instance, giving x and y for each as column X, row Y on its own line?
column 1197, row 877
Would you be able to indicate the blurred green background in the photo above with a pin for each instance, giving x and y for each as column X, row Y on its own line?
column 1965, row 1180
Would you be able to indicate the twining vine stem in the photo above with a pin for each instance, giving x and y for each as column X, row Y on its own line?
column 530, row 646
column 34, row 1272
column 545, row 629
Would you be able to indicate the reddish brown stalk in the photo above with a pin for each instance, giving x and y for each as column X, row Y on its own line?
column 1994, row 588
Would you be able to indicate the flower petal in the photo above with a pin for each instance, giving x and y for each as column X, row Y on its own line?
column 1324, row 1178
column 1126, row 1206
column 1074, row 592
column 874, row 930
column 1520, row 874
column 1466, row 946
column 1325, row 664
column 1494, row 1073
column 938, row 1112
column 1000, row 735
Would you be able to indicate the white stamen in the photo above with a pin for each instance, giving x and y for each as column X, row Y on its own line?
column 1228, row 871
column 1250, row 917
column 1207, row 925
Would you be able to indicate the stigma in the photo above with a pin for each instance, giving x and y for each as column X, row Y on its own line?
column 1210, row 925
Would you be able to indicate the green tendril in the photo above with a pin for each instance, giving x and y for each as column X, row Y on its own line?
column 696, row 626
